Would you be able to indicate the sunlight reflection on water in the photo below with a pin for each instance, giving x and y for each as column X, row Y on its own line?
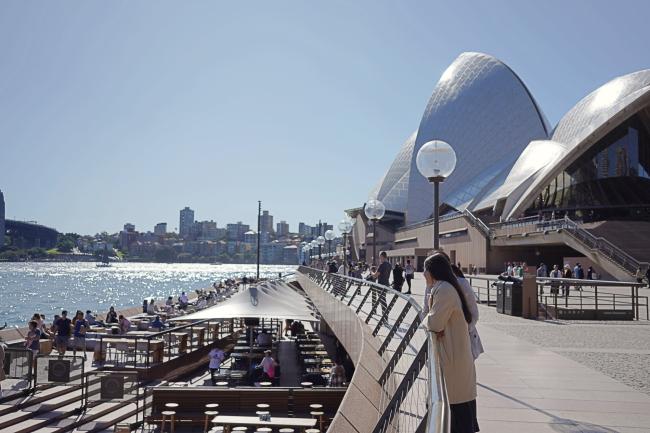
column 47, row 288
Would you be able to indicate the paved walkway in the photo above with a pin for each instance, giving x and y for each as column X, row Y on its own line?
column 526, row 388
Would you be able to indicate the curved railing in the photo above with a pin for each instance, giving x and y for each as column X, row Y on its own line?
column 413, row 397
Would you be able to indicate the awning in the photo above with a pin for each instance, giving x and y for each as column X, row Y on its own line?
column 268, row 300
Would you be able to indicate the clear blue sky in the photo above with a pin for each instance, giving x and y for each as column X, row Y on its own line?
column 127, row 111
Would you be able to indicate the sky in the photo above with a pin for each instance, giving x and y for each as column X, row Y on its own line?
column 123, row 111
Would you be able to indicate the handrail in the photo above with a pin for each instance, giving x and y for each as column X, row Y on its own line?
column 414, row 397
column 478, row 223
column 585, row 237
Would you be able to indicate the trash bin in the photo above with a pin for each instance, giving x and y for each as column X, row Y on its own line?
column 513, row 298
column 500, row 285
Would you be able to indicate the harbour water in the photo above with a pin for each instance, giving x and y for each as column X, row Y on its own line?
column 26, row 288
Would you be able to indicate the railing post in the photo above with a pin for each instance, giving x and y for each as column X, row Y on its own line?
column 596, row 299
column 487, row 283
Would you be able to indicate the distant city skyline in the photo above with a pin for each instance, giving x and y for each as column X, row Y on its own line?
column 123, row 112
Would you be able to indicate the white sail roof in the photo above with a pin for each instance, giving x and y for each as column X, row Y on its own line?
column 269, row 299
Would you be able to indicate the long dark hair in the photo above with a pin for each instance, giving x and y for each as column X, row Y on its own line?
column 439, row 267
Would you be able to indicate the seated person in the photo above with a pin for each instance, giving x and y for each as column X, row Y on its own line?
column 157, row 324
column 151, row 308
column 92, row 320
column 264, row 339
column 124, row 324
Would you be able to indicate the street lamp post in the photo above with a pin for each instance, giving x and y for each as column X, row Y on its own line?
column 329, row 237
column 320, row 241
column 374, row 211
column 345, row 226
column 313, row 244
column 436, row 160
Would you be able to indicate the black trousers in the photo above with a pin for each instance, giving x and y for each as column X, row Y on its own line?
column 463, row 417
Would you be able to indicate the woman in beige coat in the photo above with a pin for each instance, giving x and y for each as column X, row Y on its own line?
column 449, row 317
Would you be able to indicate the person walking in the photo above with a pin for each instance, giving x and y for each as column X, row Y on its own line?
column 382, row 275
column 62, row 328
column 409, row 273
column 449, row 317
column 398, row 277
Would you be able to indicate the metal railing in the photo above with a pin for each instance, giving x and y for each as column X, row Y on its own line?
column 556, row 293
column 143, row 351
column 414, row 397
column 610, row 251
column 478, row 223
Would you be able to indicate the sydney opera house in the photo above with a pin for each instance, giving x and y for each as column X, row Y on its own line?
column 522, row 190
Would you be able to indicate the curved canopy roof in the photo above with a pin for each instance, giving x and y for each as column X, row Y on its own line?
column 485, row 112
column 269, row 299
column 588, row 121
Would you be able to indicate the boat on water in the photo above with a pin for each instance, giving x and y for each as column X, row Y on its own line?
column 216, row 264
column 104, row 265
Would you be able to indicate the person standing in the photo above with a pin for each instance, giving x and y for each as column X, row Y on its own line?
column 62, row 328
column 111, row 316
column 216, row 356
column 80, row 329
column 33, row 338
column 409, row 273
column 449, row 317
column 470, row 298
column 639, row 275
column 567, row 274
column 382, row 275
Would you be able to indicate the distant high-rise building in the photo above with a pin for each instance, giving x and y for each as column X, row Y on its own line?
column 235, row 232
column 127, row 236
column 2, row 219
column 206, row 230
column 304, row 229
column 186, row 221
column 160, row 229
column 282, row 228
column 266, row 222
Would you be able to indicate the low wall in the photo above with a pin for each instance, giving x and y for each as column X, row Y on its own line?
column 359, row 410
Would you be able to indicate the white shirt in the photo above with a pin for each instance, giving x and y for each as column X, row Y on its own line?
column 409, row 270
column 183, row 298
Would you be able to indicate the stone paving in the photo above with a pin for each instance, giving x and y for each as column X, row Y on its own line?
column 561, row 376
column 619, row 349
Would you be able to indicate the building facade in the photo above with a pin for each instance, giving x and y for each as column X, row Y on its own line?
column 266, row 222
column 592, row 169
column 160, row 229
column 282, row 229
column 186, row 221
